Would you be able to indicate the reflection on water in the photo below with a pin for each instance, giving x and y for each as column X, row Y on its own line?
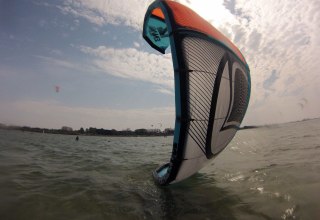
column 265, row 173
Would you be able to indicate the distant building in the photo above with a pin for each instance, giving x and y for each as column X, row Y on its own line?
column 66, row 128
column 156, row 130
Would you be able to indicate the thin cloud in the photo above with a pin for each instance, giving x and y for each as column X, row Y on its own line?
column 273, row 35
column 54, row 62
column 101, row 12
column 271, row 79
column 278, row 36
column 133, row 64
column 35, row 113
column 165, row 91
column 136, row 44
column 58, row 62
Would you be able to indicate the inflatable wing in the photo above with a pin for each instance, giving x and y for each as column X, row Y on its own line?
column 212, row 86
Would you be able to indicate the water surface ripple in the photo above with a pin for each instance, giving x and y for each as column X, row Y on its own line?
column 266, row 173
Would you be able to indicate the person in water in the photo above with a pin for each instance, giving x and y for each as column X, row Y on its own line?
column 77, row 138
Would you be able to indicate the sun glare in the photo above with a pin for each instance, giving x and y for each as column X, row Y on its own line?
column 212, row 10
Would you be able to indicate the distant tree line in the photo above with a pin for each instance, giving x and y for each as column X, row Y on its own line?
column 93, row 131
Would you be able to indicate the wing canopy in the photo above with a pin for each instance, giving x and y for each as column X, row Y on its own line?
column 212, row 86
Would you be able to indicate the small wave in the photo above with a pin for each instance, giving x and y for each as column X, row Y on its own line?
column 260, row 189
column 289, row 213
column 237, row 178
column 308, row 135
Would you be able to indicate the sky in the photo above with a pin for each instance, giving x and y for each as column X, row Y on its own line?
column 85, row 64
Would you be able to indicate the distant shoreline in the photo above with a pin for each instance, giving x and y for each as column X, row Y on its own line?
column 142, row 132
column 93, row 131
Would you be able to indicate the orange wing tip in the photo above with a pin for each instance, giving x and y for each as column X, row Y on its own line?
column 158, row 13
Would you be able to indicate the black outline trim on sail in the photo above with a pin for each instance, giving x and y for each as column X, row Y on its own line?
column 213, row 107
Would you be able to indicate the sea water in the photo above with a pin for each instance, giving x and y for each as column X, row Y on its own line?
column 265, row 173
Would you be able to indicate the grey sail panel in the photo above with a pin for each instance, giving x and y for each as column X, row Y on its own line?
column 240, row 96
column 238, row 87
column 203, row 61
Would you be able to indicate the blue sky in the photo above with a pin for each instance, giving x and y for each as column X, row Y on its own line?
column 110, row 78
